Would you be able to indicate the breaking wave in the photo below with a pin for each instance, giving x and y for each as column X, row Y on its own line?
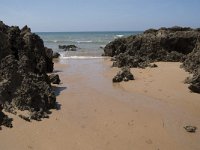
column 119, row 36
column 82, row 57
column 66, row 41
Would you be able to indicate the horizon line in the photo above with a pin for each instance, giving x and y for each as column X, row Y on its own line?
column 116, row 30
column 86, row 31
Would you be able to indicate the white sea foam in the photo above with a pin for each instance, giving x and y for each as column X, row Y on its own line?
column 84, row 41
column 120, row 35
column 72, row 41
column 82, row 57
column 51, row 41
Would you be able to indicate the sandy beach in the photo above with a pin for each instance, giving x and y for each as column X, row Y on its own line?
column 95, row 114
column 99, row 75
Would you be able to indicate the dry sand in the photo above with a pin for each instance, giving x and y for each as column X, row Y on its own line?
column 95, row 114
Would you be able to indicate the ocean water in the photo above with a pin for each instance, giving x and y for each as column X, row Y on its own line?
column 89, row 44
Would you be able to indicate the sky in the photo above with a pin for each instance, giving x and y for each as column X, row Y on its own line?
column 99, row 15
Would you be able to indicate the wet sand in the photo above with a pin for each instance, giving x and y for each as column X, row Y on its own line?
column 95, row 114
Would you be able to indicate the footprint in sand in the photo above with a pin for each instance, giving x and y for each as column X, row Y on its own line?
column 149, row 141
column 131, row 123
column 30, row 147
column 114, row 122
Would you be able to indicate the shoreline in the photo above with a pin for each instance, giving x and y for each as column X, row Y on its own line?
column 97, row 114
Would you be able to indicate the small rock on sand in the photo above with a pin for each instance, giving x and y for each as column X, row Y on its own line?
column 191, row 129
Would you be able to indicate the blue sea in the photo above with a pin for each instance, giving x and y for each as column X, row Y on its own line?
column 89, row 44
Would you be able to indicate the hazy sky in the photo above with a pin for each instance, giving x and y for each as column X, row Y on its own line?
column 99, row 15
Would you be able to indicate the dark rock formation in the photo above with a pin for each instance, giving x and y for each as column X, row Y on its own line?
column 153, row 66
column 174, row 44
column 192, row 65
column 68, row 47
column 190, row 129
column 192, row 60
column 54, row 78
column 25, row 118
column 195, row 83
column 165, row 44
column 123, row 75
column 24, row 62
column 37, row 115
column 5, row 120
column 101, row 47
column 49, row 57
column 56, row 55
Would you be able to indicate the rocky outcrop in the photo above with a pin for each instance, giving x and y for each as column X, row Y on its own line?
column 191, row 129
column 54, row 78
column 192, row 65
column 174, row 44
column 48, row 58
column 195, row 83
column 24, row 64
column 192, row 61
column 5, row 120
column 56, row 55
column 68, row 47
column 165, row 44
column 123, row 75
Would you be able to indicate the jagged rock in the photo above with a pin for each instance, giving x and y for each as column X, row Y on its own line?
column 174, row 56
column 54, row 78
column 123, row 75
column 48, row 59
column 37, row 115
column 25, row 30
column 9, row 108
column 188, row 80
column 101, row 47
column 113, row 59
column 24, row 63
column 118, row 78
column 195, row 87
column 5, row 120
column 153, row 65
column 194, row 83
column 191, row 129
column 174, row 44
column 192, row 60
column 192, row 65
column 25, row 118
column 116, row 47
column 165, row 44
column 68, row 47
column 34, row 93
column 56, row 55
column 123, row 59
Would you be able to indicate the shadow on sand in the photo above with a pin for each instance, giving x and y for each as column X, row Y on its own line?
column 57, row 71
column 57, row 91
